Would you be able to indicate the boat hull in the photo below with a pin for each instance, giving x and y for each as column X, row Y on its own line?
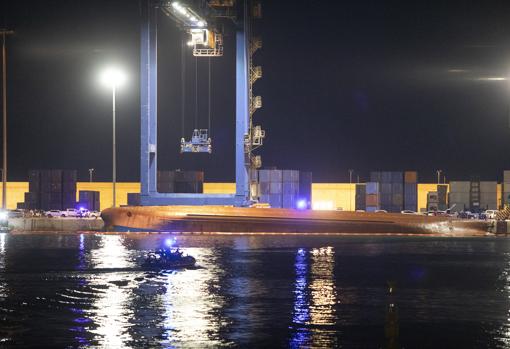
column 221, row 219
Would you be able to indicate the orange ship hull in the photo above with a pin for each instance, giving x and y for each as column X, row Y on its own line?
column 225, row 219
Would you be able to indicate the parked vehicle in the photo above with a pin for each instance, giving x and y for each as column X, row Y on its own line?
column 83, row 212
column 381, row 211
column 53, row 213
column 70, row 212
column 95, row 214
column 491, row 214
column 408, row 212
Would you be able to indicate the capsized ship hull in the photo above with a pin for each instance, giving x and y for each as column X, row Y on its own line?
column 226, row 219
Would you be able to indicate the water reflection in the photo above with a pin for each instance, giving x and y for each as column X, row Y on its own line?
column 192, row 303
column 112, row 309
column 314, row 315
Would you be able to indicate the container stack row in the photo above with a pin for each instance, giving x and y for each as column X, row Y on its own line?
column 180, row 181
column 411, row 191
column 488, row 195
column 372, row 199
column 285, row 188
column 89, row 199
column 505, row 198
column 473, row 195
column 459, row 196
column 360, row 199
column 391, row 190
column 51, row 190
column 442, row 197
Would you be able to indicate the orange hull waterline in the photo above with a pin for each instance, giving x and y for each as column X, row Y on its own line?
column 226, row 219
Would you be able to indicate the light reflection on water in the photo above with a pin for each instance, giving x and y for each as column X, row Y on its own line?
column 89, row 290
column 190, row 306
column 112, row 309
column 315, row 299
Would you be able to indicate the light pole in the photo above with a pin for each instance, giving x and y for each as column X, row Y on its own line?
column 91, row 171
column 4, row 32
column 439, row 176
column 113, row 78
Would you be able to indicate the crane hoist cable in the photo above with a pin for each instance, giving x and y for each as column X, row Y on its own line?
column 183, row 84
column 196, row 93
column 209, row 98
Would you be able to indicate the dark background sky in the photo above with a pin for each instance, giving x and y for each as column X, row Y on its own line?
column 368, row 85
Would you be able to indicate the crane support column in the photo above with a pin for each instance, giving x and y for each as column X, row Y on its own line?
column 242, row 108
column 148, row 99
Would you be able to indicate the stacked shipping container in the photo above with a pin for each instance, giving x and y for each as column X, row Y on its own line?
column 411, row 191
column 391, row 190
column 180, row 181
column 442, row 197
column 488, row 195
column 360, row 199
column 51, row 189
column 305, row 188
column 505, row 199
column 372, row 202
column 89, row 199
column 284, row 188
column 459, row 197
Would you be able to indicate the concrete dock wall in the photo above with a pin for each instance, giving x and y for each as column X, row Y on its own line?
column 56, row 224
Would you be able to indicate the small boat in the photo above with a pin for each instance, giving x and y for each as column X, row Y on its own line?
column 168, row 259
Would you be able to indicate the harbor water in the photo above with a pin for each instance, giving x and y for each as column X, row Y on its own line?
column 80, row 290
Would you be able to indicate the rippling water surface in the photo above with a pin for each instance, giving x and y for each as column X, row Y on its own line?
column 81, row 290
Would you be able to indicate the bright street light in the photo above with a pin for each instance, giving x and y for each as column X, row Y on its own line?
column 113, row 78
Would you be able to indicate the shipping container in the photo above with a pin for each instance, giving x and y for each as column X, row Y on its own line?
column 386, row 177
column 411, row 196
column 69, row 176
column 264, row 176
column 375, row 177
column 372, row 200
column 397, row 177
column 133, row 199
column 411, row 177
column 372, row 188
column 275, row 188
column 305, row 187
column 276, row 176
column 289, row 201
column 442, row 191
column 385, row 188
column 460, row 186
column 275, row 200
column 291, row 188
column 264, row 188
column 506, row 176
column 290, row 176
column 488, row 187
column 360, row 199
column 398, row 200
column 458, row 201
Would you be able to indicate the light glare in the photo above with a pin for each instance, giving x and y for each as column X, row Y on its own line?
column 113, row 77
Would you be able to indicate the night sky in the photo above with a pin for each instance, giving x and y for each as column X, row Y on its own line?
column 368, row 85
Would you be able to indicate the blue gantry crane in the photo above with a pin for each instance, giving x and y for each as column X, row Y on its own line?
column 193, row 18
